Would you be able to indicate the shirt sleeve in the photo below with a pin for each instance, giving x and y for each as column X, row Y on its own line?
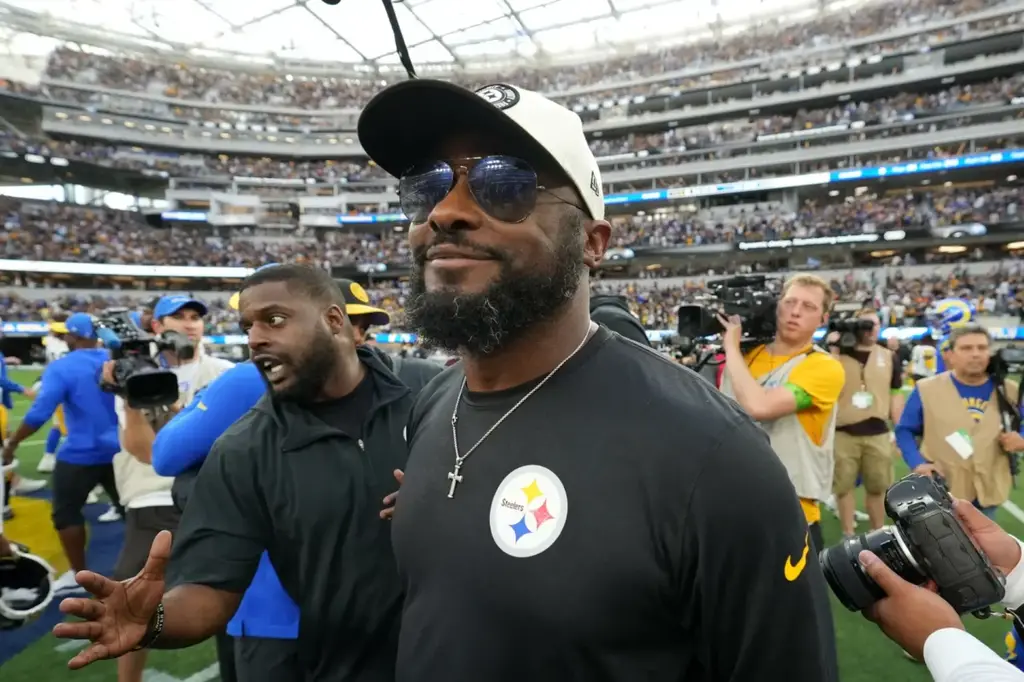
column 821, row 378
column 956, row 656
column 184, row 442
column 51, row 394
column 896, row 383
column 751, row 573
column 225, row 526
column 910, row 426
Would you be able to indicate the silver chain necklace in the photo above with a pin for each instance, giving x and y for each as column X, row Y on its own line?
column 454, row 476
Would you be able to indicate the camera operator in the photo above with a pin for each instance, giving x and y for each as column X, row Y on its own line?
column 958, row 419
column 791, row 387
column 871, row 396
column 146, row 495
column 929, row 629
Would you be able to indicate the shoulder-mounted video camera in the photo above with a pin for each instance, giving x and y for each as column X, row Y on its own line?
column 850, row 330
column 750, row 297
column 1004, row 363
column 926, row 542
column 138, row 377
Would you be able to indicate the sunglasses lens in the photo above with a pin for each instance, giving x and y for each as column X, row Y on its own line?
column 505, row 187
column 424, row 187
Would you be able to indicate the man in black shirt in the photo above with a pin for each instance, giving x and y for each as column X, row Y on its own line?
column 575, row 506
column 301, row 475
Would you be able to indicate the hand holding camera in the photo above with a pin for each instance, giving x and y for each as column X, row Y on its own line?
column 928, row 543
column 908, row 613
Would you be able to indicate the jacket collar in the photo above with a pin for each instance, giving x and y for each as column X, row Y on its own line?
column 301, row 428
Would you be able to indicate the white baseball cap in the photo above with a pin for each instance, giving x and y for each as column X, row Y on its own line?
column 404, row 124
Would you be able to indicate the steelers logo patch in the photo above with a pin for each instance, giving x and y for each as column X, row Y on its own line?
column 358, row 293
column 528, row 511
column 500, row 95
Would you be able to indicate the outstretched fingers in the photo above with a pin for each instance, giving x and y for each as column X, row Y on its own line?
column 159, row 555
column 90, row 609
column 91, row 654
column 78, row 630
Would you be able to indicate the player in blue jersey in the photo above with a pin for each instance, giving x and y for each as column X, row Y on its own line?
column 86, row 458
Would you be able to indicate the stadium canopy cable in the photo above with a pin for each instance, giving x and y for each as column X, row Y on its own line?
column 396, row 29
column 403, row 51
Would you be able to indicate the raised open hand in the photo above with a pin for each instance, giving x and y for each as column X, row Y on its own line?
column 118, row 618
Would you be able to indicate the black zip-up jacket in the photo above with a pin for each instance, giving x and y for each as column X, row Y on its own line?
column 283, row 480
column 613, row 312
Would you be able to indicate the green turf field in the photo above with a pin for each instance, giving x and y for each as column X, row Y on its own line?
column 864, row 654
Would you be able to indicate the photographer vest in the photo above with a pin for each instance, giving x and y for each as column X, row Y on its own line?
column 875, row 378
column 810, row 466
column 984, row 475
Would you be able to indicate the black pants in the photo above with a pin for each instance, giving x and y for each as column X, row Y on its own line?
column 261, row 659
column 226, row 657
column 817, row 541
column 72, row 484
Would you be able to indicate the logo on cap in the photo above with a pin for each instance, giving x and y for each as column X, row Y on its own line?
column 358, row 292
column 500, row 95
column 594, row 187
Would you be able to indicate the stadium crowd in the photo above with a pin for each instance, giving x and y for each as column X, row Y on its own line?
column 902, row 300
column 706, row 142
column 779, row 46
column 65, row 232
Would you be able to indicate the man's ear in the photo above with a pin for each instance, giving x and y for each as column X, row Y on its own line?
column 336, row 319
column 597, row 234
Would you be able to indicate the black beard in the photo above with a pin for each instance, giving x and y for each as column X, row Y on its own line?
column 311, row 370
column 521, row 297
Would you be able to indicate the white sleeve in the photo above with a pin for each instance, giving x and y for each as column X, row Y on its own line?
column 954, row 655
column 119, row 408
column 1014, row 596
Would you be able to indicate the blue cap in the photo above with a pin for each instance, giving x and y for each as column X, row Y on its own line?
column 169, row 305
column 80, row 324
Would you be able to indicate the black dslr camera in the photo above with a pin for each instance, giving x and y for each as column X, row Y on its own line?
column 850, row 330
column 138, row 378
column 751, row 297
column 925, row 542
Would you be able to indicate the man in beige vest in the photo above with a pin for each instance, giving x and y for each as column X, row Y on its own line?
column 956, row 416
column 870, row 398
column 791, row 386
column 146, row 496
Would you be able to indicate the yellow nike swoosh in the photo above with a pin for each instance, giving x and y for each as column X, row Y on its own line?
column 792, row 570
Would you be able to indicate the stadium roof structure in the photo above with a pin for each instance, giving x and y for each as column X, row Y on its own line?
column 462, row 33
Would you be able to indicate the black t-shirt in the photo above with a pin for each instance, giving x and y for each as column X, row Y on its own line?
column 626, row 523
column 349, row 413
column 873, row 426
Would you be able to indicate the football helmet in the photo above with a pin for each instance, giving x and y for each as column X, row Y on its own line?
column 26, row 581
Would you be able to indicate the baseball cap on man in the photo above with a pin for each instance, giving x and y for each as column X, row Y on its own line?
column 403, row 124
column 233, row 301
column 169, row 305
column 80, row 325
column 357, row 302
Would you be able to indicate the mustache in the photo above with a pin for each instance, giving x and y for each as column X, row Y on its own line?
column 456, row 238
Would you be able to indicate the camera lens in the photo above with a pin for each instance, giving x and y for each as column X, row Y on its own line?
column 844, row 574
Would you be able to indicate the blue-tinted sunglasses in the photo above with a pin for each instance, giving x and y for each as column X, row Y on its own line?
column 504, row 187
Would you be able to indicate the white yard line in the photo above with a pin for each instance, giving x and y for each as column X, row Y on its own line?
column 1014, row 511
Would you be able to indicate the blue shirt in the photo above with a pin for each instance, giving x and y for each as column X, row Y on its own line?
column 74, row 382
column 975, row 400
column 183, row 444
column 7, row 387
